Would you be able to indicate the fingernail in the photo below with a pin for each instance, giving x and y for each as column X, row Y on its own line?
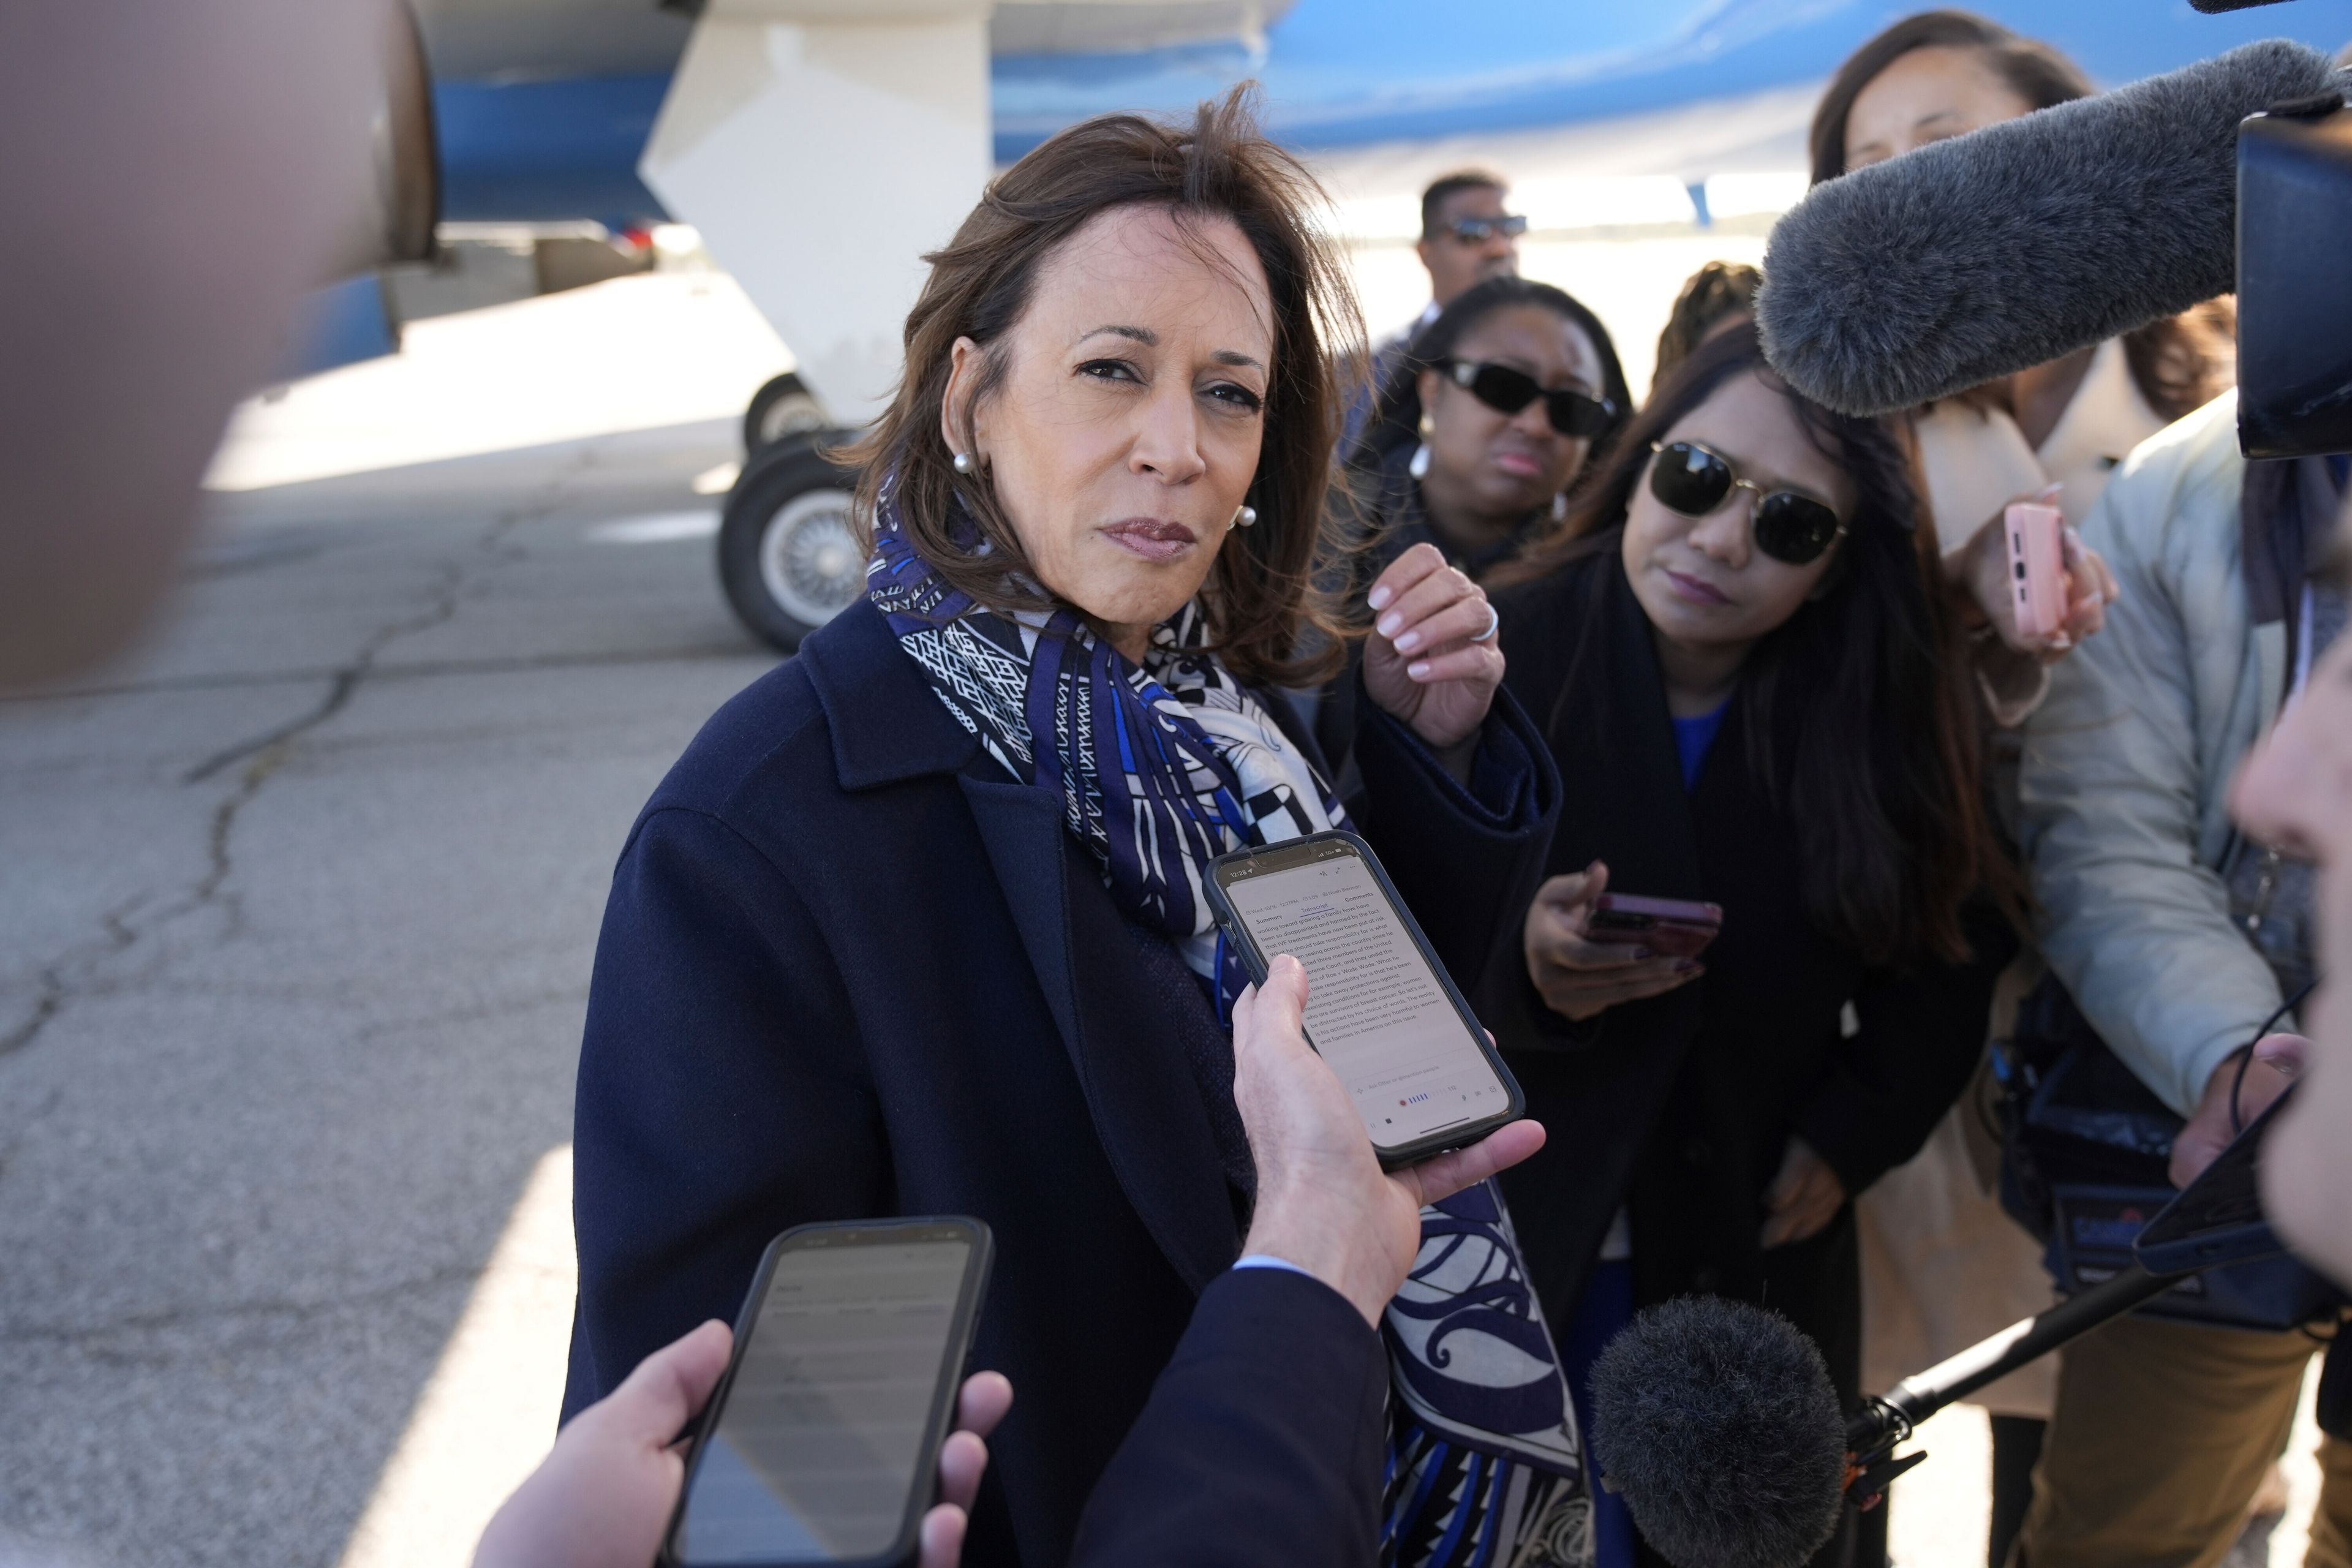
column 1389, row 624
column 1407, row 643
column 1418, row 670
column 1686, row 966
column 1379, row 599
column 1644, row 952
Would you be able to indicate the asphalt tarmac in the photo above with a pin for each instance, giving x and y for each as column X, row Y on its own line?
column 297, row 909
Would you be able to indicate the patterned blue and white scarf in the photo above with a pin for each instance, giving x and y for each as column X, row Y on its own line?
column 1162, row 766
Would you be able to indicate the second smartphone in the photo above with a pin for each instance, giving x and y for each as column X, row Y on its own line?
column 819, row 1446
column 1380, row 1006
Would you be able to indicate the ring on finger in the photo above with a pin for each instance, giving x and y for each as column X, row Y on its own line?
column 1494, row 623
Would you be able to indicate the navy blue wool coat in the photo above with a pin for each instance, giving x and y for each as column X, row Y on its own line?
column 849, row 969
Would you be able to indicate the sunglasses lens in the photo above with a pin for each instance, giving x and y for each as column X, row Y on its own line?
column 1691, row 479
column 1794, row 529
column 1503, row 389
column 1574, row 414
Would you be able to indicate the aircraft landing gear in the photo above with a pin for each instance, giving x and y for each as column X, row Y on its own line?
column 789, row 556
column 784, row 407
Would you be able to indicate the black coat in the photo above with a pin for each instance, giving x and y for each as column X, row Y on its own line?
column 849, row 969
column 1263, row 1441
column 1680, row 1106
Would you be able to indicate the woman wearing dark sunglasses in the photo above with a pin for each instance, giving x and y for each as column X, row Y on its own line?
column 1739, row 650
column 1485, row 421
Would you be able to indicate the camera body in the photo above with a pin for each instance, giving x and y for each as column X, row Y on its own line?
column 2294, row 254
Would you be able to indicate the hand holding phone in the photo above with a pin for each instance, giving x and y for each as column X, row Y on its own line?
column 822, row 1443
column 2037, row 568
column 1580, row 973
column 605, row 1494
column 1323, row 1201
column 1380, row 1008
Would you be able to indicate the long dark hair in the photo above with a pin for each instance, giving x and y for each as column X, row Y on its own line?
column 1860, row 721
column 1257, row 599
column 1396, row 416
column 2176, row 363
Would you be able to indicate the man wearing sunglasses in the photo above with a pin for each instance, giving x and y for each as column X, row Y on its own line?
column 1467, row 237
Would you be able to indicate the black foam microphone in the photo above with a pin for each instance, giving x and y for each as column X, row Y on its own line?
column 1972, row 258
column 1715, row 1422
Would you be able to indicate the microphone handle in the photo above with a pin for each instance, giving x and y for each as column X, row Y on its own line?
column 1887, row 1419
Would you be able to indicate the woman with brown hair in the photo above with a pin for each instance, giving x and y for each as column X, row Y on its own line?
column 1940, row 74
column 917, row 925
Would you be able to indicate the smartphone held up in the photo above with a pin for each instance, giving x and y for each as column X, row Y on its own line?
column 819, row 1445
column 1380, row 1008
column 2037, row 567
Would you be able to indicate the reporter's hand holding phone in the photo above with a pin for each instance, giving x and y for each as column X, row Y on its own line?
column 2087, row 586
column 1323, row 1201
column 1579, row 978
column 606, row 1493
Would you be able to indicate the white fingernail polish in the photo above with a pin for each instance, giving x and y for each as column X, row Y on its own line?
column 1380, row 599
column 1389, row 624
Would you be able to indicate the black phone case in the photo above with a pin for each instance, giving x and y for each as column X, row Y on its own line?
column 1229, row 922
column 901, row 1552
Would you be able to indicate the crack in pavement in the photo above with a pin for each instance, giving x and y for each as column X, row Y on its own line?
column 58, row 980
column 264, row 755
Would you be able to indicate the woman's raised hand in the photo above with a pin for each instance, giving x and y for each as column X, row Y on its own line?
column 1579, row 979
column 1432, row 660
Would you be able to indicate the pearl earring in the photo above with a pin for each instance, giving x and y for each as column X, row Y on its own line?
column 1560, row 506
column 1418, row 466
column 963, row 462
column 1244, row 517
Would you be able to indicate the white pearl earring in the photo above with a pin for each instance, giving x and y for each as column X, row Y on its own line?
column 963, row 462
column 1244, row 517
column 1418, row 466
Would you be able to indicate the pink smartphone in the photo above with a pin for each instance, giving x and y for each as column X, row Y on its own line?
column 2037, row 566
column 1681, row 927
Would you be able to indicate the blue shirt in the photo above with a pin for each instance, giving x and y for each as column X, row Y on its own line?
column 1694, row 736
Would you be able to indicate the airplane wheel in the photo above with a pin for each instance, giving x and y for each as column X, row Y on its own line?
column 783, row 407
column 789, row 555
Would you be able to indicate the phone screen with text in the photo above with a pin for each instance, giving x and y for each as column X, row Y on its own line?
column 1374, row 1010
column 817, row 1449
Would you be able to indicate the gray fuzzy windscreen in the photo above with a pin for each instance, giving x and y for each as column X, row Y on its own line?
column 1716, row 1421
column 1971, row 258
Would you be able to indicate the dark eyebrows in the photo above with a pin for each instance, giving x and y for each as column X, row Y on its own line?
column 1150, row 340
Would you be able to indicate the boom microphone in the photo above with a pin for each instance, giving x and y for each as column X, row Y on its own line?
column 1715, row 1422
column 1974, row 258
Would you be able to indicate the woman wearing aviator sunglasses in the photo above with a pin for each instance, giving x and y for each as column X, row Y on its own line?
column 1739, row 650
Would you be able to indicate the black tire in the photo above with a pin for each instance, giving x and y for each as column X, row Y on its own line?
column 783, row 407
column 788, row 552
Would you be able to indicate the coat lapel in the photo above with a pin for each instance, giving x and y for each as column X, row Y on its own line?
column 887, row 726
column 1145, row 1101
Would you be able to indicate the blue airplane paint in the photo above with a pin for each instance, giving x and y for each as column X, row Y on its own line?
column 550, row 149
